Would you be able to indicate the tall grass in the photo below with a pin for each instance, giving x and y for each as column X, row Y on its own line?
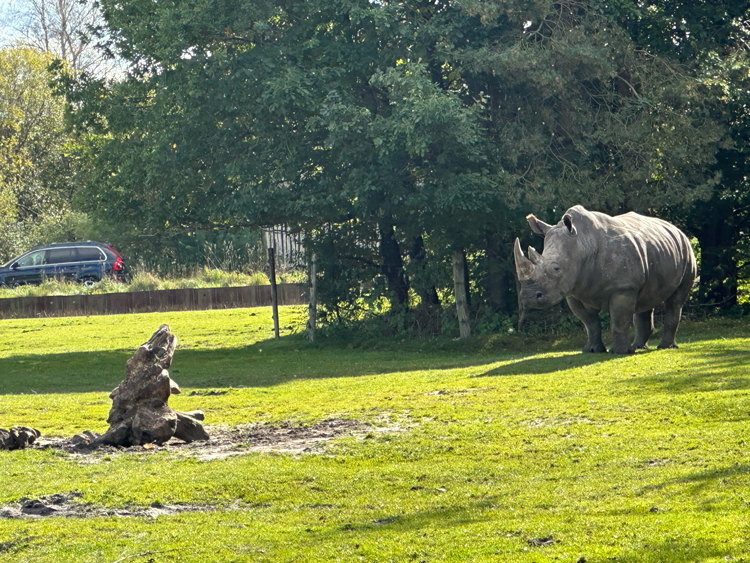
column 142, row 279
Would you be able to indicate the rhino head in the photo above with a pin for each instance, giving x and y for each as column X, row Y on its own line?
column 545, row 279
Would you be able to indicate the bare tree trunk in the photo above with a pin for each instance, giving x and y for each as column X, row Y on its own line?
column 460, row 289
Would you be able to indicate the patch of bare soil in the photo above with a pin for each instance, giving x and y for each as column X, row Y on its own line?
column 68, row 505
column 227, row 441
column 281, row 437
column 224, row 442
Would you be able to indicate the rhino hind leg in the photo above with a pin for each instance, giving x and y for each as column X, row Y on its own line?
column 644, row 328
column 590, row 319
column 673, row 314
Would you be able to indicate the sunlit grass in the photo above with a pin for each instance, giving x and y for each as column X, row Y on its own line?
column 637, row 458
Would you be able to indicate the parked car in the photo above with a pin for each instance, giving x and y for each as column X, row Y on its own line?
column 86, row 262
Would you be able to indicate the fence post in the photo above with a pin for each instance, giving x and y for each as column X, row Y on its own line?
column 460, row 290
column 312, row 309
column 274, row 296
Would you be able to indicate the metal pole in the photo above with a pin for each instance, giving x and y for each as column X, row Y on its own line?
column 274, row 297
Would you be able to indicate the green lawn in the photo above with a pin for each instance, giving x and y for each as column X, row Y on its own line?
column 492, row 443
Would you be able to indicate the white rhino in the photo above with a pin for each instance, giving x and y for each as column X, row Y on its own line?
column 627, row 264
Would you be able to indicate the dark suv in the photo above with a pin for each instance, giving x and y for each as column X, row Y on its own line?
column 86, row 262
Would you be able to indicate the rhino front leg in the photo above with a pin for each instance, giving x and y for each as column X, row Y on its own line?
column 644, row 328
column 621, row 311
column 590, row 319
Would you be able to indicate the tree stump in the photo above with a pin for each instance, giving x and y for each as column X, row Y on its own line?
column 140, row 412
column 18, row 437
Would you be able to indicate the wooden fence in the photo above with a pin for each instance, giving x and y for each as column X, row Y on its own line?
column 152, row 301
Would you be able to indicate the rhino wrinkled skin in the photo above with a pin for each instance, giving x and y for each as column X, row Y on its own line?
column 627, row 264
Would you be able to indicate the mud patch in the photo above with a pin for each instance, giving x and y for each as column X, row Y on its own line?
column 281, row 437
column 68, row 505
column 225, row 441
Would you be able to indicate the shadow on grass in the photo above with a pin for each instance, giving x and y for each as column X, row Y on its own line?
column 268, row 363
column 549, row 365
column 263, row 364
column 681, row 550
column 442, row 517
column 710, row 369
column 702, row 479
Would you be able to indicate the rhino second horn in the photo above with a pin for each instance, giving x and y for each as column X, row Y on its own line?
column 524, row 267
column 534, row 256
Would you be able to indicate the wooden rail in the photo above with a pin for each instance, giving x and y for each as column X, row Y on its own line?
column 152, row 301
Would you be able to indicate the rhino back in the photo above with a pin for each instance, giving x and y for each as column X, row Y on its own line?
column 631, row 252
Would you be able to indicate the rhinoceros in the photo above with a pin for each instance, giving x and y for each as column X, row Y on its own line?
column 626, row 264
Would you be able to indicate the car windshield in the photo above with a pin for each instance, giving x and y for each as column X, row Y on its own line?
column 29, row 259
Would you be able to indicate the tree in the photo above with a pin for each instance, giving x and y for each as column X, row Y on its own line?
column 394, row 133
column 36, row 166
column 713, row 38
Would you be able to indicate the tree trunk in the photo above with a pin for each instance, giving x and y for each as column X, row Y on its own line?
column 501, row 280
column 461, row 291
column 420, row 281
column 429, row 313
column 393, row 265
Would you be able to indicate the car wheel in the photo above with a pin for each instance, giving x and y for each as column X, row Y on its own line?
column 89, row 281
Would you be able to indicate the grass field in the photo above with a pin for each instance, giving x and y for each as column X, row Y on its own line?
column 478, row 449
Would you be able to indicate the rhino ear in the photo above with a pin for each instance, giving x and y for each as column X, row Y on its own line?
column 568, row 222
column 539, row 227
column 524, row 267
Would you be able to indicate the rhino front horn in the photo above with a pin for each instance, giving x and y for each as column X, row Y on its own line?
column 524, row 267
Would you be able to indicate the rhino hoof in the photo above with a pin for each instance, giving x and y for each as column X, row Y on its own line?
column 594, row 349
column 664, row 346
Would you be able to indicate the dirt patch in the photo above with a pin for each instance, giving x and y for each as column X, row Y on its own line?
column 68, row 505
column 281, row 437
column 225, row 441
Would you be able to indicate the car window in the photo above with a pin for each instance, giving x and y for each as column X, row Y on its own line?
column 61, row 255
column 89, row 253
column 32, row 259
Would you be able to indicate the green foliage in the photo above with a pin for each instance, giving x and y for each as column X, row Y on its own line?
column 390, row 132
column 476, row 448
column 36, row 155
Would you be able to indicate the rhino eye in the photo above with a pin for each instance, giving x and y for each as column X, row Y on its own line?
column 557, row 268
